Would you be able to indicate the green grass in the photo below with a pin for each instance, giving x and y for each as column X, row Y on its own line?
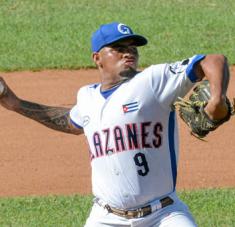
column 211, row 208
column 44, row 211
column 56, row 33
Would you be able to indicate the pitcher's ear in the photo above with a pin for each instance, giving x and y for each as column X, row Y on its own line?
column 96, row 59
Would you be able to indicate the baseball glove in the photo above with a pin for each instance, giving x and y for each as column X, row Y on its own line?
column 193, row 114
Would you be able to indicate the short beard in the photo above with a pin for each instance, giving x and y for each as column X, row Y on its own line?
column 128, row 74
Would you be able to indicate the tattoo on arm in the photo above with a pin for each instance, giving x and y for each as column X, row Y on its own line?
column 56, row 118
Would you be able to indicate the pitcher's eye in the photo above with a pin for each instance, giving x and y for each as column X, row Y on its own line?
column 124, row 48
column 119, row 48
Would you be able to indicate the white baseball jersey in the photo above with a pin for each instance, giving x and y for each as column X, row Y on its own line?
column 132, row 133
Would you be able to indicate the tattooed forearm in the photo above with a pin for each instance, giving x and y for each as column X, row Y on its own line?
column 56, row 118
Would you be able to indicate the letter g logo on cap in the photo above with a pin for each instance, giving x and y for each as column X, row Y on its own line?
column 122, row 28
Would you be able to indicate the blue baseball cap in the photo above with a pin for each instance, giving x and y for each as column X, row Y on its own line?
column 113, row 32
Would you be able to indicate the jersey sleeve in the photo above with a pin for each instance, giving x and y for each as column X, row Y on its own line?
column 75, row 113
column 170, row 81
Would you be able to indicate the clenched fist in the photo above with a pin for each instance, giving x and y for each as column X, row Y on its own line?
column 3, row 87
column 8, row 99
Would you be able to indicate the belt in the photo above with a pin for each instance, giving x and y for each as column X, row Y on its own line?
column 140, row 212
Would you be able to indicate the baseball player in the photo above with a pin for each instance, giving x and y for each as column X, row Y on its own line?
column 131, row 127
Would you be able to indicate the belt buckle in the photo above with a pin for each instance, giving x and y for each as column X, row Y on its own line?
column 140, row 213
column 143, row 211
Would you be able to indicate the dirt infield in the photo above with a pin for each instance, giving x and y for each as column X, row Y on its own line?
column 38, row 161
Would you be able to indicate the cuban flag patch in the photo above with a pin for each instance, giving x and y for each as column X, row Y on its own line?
column 130, row 107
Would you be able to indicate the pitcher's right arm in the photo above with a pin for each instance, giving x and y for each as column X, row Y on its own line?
column 56, row 118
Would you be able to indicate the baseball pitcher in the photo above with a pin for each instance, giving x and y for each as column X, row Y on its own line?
column 129, row 120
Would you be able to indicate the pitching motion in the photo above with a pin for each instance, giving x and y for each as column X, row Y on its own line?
column 130, row 123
